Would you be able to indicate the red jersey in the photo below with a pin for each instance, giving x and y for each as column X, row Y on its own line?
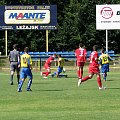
column 49, row 60
column 94, row 59
column 81, row 54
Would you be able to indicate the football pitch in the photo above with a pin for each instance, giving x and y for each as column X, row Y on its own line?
column 60, row 98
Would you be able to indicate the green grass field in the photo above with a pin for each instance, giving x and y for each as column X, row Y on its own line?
column 60, row 99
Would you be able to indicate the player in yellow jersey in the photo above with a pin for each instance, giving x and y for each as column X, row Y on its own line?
column 61, row 62
column 26, row 66
column 104, row 61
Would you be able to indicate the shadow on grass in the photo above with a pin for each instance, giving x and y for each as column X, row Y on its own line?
column 113, row 88
column 61, row 77
column 53, row 90
column 72, row 77
column 109, row 80
column 41, row 83
column 65, row 77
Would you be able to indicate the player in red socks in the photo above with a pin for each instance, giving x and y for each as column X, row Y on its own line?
column 81, row 59
column 93, row 68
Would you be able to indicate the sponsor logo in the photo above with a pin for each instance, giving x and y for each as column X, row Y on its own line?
column 106, row 12
column 27, row 16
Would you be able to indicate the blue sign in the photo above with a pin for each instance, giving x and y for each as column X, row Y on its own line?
column 39, row 17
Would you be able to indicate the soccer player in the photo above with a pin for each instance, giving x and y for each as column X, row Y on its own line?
column 81, row 59
column 14, row 58
column 26, row 67
column 93, row 68
column 104, row 61
column 61, row 62
column 48, row 64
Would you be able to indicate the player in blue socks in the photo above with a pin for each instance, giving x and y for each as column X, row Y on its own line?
column 29, row 84
column 26, row 66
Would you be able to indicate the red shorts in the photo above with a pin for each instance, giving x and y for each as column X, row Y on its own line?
column 94, row 70
column 79, row 64
column 47, row 67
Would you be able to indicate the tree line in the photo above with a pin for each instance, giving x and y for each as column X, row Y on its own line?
column 76, row 23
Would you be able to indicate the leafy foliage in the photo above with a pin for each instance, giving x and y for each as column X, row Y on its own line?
column 76, row 23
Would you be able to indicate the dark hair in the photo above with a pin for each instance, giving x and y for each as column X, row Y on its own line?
column 59, row 55
column 26, row 49
column 103, row 50
column 15, row 46
column 95, row 48
column 81, row 45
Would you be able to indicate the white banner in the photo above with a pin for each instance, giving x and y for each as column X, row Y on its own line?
column 27, row 16
column 107, row 17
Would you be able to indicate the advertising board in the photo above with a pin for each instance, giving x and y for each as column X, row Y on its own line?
column 28, row 17
column 108, row 17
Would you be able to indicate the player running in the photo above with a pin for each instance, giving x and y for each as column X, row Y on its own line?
column 104, row 61
column 93, row 68
column 47, row 65
column 81, row 59
column 26, row 66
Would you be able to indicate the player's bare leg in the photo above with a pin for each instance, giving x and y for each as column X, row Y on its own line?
column 79, row 82
column 85, row 79
column 47, row 73
column 80, row 74
column 11, row 77
column 99, row 82
column 18, row 77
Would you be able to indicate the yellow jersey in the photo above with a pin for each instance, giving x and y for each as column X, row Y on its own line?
column 61, row 62
column 104, row 58
column 26, row 60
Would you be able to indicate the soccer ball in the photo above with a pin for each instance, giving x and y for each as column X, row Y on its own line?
column 64, row 70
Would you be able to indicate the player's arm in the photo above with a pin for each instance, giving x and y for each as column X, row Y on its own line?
column 97, row 59
column 60, row 62
column 9, row 56
column 85, row 54
column 100, row 60
column 19, row 60
column 110, row 58
column 30, row 63
column 53, row 60
column 76, row 53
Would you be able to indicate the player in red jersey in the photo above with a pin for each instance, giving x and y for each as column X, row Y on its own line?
column 47, row 65
column 81, row 59
column 93, row 68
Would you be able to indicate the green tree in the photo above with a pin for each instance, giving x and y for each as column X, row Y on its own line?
column 76, row 23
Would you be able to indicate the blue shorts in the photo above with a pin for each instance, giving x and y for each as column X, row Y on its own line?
column 60, row 69
column 105, row 68
column 26, row 72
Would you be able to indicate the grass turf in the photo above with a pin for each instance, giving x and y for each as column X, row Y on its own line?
column 60, row 99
